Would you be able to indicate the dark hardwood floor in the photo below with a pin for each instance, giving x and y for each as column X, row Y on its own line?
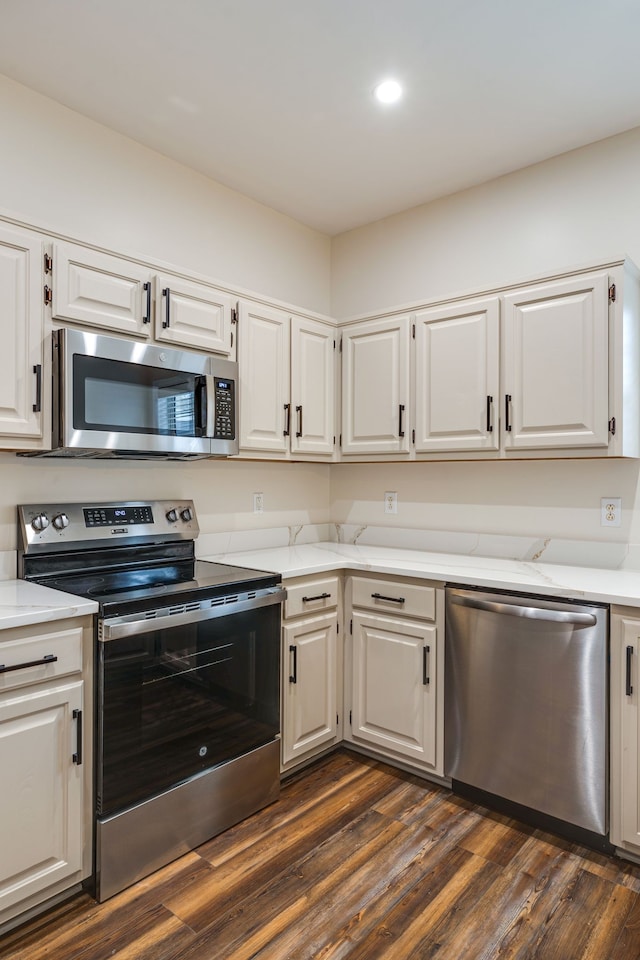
column 361, row 861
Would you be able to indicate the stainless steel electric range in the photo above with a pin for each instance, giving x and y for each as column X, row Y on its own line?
column 187, row 668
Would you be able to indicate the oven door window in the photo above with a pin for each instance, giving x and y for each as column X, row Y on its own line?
column 176, row 702
column 120, row 397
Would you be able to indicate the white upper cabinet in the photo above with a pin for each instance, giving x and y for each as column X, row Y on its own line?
column 287, row 383
column 193, row 314
column 265, row 399
column 21, row 328
column 375, row 386
column 312, row 386
column 457, row 377
column 101, row 290
column 556, row 340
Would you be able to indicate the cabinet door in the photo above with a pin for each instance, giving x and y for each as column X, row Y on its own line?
column 101, row 290
column 375, row 387
column 457, row 377
column 394, row 685
column 41, row 801
column 21, row 330
column 309, row 681
column 193, row 315
column 263, row 357
column 312, row 386
column 556, row 365
column 625, row 732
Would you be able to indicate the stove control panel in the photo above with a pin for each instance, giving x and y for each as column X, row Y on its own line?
column 66, row 526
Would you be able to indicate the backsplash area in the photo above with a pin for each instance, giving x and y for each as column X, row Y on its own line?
column 546, row 511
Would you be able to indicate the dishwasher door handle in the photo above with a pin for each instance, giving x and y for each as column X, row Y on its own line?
column 531, row 613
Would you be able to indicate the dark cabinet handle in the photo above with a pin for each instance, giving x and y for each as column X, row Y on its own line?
column 77, row 756
column 380, row 596
column 628, row 686
column 321, row 596
column 400, row 413
column 147, row 318
column 425, row 660
column 49, row 658
column 299, row 430
column 507, row 401
column 167, row 320
column 287, row 420
column 294, row 676
column 489, row 406
column 37, row 407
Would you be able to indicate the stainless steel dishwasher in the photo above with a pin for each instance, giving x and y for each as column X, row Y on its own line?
column 526, row 707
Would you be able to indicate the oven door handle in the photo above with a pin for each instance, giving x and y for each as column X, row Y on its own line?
column 115, row 628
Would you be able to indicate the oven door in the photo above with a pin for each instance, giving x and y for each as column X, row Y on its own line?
column 181, row 695
column 124, row 396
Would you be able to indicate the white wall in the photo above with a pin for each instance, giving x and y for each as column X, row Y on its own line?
column 69, row 174
column 580, row 207
column 63, row 172
column 294, row 493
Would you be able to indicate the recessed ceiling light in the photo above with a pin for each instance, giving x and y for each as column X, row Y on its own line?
column 389, row 91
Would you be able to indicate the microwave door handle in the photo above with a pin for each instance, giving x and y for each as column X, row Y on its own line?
column 210, row 394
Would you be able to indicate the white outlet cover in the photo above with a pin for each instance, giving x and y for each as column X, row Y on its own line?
column 610, row 511
column 390, row 502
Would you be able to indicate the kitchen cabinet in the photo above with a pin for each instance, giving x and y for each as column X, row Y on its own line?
column 547, row 369
column 46, row 762
column 311, row 669
column 22, row 369
column 103, row 290
column 190, row 314
column 287, row 383
column 375, row 387
column 396, row 669
column 625, row 729
column 458, row 377
column 100, row 290
column 555, row 364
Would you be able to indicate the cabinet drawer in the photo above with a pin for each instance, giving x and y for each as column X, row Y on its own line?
column 25, row 656
column 388, row 596
column 311, row 597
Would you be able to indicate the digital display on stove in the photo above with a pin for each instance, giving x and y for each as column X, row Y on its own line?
column 116, row 516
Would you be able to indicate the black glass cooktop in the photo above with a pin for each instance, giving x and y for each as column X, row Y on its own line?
column 158, row 585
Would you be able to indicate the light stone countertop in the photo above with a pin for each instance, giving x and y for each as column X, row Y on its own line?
column 23, row 603
column 555, row 580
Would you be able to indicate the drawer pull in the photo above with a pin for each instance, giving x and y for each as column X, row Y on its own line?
column 77, row 756
column 321, row 596
column 293, row 678
column 425, row 660
column 49, row 658
column 379, row 596
column 628, row 684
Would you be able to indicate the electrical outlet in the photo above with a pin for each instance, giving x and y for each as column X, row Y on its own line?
column 390, row 502
column 610, row 511
column 258, row 503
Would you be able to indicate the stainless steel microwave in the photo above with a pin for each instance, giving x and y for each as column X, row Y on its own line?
column 121, row 398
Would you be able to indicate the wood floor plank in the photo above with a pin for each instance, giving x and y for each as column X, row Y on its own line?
column 358, row 861
column 275, row 849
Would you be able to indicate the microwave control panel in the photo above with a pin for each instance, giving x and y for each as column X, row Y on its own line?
column 224, row 427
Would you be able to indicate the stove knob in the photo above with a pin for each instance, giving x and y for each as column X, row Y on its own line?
column 186, row 514
column 40, row 523
column 172, row 516
column 61, row 521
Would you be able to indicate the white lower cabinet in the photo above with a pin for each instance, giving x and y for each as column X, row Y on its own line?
column 311, row 669
column 46, row 759
column 625, row 729
column 396, row 669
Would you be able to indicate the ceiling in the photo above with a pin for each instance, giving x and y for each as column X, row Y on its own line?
column 273, row 98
